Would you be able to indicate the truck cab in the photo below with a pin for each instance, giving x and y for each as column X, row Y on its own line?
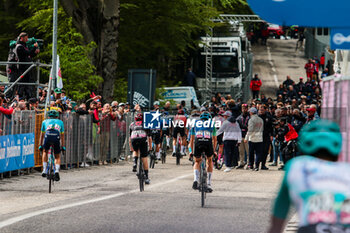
column 228, row 50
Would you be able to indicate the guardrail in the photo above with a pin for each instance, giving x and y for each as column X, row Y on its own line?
column 86, row 142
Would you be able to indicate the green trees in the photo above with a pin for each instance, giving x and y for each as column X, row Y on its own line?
column 99, row 40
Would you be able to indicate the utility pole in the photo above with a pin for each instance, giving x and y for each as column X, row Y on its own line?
column 53, row 78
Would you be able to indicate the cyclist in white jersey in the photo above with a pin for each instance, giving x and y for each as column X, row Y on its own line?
column 316, row 184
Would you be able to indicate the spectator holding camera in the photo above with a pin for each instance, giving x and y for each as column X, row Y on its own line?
column 24, row 54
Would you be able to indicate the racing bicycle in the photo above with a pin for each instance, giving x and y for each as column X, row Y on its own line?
column 51, row 168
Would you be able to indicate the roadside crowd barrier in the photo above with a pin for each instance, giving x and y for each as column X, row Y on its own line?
column 86, row 142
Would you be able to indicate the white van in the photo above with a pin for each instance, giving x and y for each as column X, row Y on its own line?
column 179, row 94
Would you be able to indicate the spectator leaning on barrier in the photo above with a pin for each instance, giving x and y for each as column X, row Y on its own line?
column 82, row 110
column 254, row 137
column 3, row 110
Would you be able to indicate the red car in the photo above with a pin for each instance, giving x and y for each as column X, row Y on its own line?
column 275, row 30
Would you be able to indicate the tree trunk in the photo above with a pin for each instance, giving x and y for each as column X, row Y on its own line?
column 98, row 21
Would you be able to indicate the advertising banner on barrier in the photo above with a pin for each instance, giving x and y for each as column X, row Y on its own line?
column 16, row 152
column 340, row 38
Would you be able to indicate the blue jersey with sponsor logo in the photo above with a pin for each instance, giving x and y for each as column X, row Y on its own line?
column 52, row 124
column 203, row 130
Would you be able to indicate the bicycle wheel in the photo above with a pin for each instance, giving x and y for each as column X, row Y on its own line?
column 163, row 157
column 203, row 180
column 50, row 172
column 141, row 175
column 178, row 154
column 151, row 160
column 201, row 186
column 49, row 176
column 164, row 150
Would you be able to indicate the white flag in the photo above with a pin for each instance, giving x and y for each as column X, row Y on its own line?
column 59, row 75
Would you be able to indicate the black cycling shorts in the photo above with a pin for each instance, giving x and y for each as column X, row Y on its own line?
column 180, row 130
column 52, row 138
column 140, row 144
column 220, row 137
column 165, row 132
column 203, row 146
column 156, row 137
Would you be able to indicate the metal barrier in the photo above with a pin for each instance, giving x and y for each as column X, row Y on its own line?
column 86, row 142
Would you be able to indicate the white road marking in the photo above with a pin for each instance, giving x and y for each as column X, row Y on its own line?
column 13, row 220
column 273, row 68
column 293, row 224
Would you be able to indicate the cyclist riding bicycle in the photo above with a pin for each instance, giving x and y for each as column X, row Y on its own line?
column 179, row 128
column 166, row 123
column 52, row 133
column 317, row 185
column 156, row 133
column 203, row 139
column 195, row 114
column 138, row 143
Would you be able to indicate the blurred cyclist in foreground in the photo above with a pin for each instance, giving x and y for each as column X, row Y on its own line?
column 315, row 183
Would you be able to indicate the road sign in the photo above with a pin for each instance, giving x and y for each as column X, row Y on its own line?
column 340, row 39
column 307, row 13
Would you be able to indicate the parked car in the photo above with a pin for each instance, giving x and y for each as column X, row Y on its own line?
column 275, row 30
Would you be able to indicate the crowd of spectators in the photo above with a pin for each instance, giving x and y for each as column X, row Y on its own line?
column 294, row 105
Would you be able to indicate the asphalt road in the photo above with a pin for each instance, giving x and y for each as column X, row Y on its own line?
column 107, row 199
column 275, row 61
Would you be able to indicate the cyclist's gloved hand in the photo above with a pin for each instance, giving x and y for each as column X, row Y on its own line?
column 40, row 148
column 63, row 148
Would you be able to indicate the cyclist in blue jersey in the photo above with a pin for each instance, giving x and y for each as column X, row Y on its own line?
column 317, row 185
column 52, row 133
column 203, row 139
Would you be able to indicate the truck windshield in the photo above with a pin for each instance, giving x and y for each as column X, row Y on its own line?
column 225, row 64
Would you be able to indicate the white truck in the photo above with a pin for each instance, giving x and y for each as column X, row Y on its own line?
column 231, row 62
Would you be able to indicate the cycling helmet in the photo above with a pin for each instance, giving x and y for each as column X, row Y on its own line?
column 156, row 103
column 181, row 112
column 195, row 113
column 205, row 116
column 53, row 113
column 320, row 134
column 139, row 117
